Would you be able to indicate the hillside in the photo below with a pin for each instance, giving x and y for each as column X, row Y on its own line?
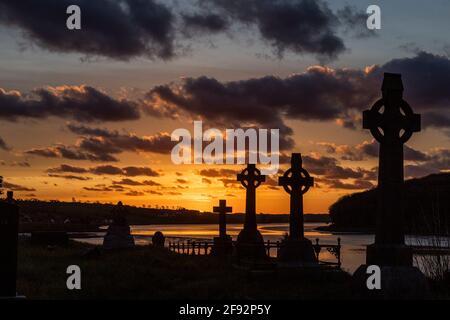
column 77, row 216
column 427, row 207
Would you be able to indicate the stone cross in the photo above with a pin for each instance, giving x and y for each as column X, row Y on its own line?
column 392, row 123
column 251, row 178
column 222, row 209
column 9, row 226
column 296, row 181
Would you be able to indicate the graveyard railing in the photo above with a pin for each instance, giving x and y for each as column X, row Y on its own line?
column 334, row 249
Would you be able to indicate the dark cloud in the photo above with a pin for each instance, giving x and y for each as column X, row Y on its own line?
column 131, row 182
column 16, row 187
column 320, row 94
column 71, row 153
column 82, row 103
column 206, row 180
column 103, row 141
column 140, row 171
column 215, row 173
column 3, row 145
column 354, row 21
column 107, row 170
column 134, row 193
column 117, row 29
column 355, row 185
column 67, row 168
column 100, row 145
column 437, row 160
column 369, row 149
column 68, row 177
column 204, row 23
column 299, row 26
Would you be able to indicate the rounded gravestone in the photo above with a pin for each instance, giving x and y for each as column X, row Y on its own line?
column 158, row 239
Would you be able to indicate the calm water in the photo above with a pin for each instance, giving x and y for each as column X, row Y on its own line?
column 352, row 252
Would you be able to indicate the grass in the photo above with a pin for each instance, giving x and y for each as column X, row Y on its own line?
column 152, row 273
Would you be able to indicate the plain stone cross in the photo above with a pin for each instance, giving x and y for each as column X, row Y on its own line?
column 392, row 122
column 251, row 178
column 296, row 181
column 222, row 209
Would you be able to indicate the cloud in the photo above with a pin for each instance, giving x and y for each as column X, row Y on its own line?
column 104, row 141
column 71, row 153
column 368, row 149
column 207, row 23
column 68, row 177
column 437, row 160
column 318, row 94
column 126, row 29
column 67, row 168
column 3, row 145
column 101, row 145
column 131, row 182
column 206, row 180
column 82, row 103
column 355, row 185
column 299, row 26
column 134, row 193
column 116, row 29
column 214, row 173
column 16, row 187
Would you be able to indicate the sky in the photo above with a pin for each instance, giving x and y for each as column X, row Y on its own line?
column 87, row 114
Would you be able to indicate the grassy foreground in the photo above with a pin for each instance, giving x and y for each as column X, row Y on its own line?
column 152, row 273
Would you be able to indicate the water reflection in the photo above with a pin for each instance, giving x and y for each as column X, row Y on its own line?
column 353, row 251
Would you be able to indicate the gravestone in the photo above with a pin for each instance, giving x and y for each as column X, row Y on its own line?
column 158, row 239
column 296, row 181
column 223, row 244
column 391, row 128
column 250, row 243
column 118, row 235
column 392, row 123
column 9, row 227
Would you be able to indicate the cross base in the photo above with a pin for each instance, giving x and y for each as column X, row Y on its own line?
column 12, row 298
column 250, row 245
column 389, row 255
column 223, row 246
column 298, row 251
column 397, row 282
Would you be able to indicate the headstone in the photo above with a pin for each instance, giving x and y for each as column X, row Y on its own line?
column 223, row 244
column 296, row 181
column 392, row 122
column 118, row 235
column 158, row 239
column 391, row 128
column 9, row 227
column 250, row 243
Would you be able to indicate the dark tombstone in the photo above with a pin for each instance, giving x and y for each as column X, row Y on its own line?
column 250, row 243
column 223, row 244
column 158, row 239
column 391, row 129
column 296, row 181
column 118, row 235
column 9, row 227
column 392, row 122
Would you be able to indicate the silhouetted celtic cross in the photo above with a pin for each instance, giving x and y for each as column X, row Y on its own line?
column 296, row 177
column 251, row 177
column 397, row 122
